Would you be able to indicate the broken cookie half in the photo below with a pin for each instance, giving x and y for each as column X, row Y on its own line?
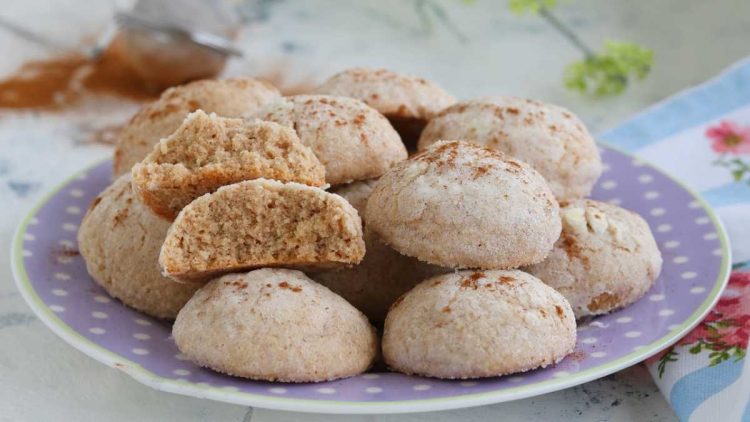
column 261, row 223
column 208, row 151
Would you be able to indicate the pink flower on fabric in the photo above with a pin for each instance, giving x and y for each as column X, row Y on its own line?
column 732, row 313
column 729, row 137
column 725, row 330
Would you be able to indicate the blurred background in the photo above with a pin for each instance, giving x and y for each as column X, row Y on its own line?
column 472, row 48
column 72, row 74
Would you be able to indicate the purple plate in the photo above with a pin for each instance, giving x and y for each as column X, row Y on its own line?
column 53, row 279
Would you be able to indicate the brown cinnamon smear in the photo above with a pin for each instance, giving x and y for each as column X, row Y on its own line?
column 604, row 302
column 64, row 80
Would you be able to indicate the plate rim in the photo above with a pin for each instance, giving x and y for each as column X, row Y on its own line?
column 222, row 394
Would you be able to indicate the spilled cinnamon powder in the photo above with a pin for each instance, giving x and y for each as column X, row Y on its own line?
column 64, row 80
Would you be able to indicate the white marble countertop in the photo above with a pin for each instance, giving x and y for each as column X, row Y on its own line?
column 41, row 378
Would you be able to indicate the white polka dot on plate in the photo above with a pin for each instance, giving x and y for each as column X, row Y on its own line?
column 142, row 336
column 277, row 390
column 180, row 356
column 663, row 228
column 657, row 212
column 29, row 237
column 34, row 221
column 26, row 253
column 422, row 387
column 57, row 308
column 633, row 334
column 517, row 378
column 609, row 184
column 666, row 312
column 373, row 390
column 181, row 372
column 624, row 320
column 59, row 292
column 598, row 354
column 97, row 330
column 69, row 227
column 614, row 201
column 656, row 297
column 697, row 290
column 326, row 390
column 637, row 162
column 645, row 178
column 589, row 340
column 680, row 259
column 140, row 351
column 674, row 327
column 652, row 194
column 710, row 236
column 73, row 210
column 99, row 315
column 637, row 348
column 688, row 275
column 141, row 321
column 606, row 167
column 66, row 243
column 64, row 259
column 102, row 299
column 671, row 244
column 694, row 204
column 702, row 220
column 717, row 252
column 62, row 276
column 76, row 193
column 371, row 376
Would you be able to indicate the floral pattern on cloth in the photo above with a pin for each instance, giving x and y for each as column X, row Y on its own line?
column 731, row 140
column 724, row 332
column 702, row 137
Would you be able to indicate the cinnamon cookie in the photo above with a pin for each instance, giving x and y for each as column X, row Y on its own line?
column 274, row 325
column 261, row 223
column 549, row 138
column 407, row 101
column 207, row 152
column 226, row 97
column 606, row 258
column 351, row 139
column 119, row 239
column 461, row 205
column 478, row 324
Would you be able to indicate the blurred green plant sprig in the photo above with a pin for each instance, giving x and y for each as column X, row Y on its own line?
column 601, row 74
column 609, row 72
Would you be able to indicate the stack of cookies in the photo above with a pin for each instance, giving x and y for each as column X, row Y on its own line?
column 279, row 232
